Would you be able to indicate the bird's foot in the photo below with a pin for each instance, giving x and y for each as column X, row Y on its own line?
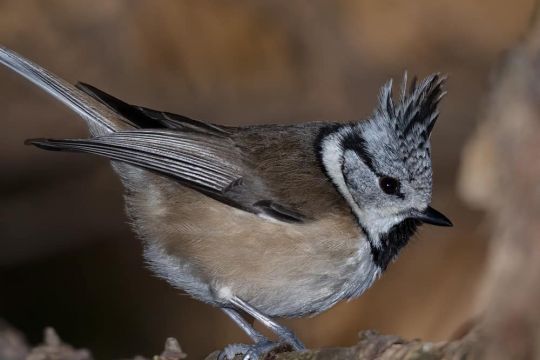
column 288, row 337
column 253, row 352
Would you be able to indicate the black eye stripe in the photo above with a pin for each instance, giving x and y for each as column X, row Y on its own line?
column 356, row 143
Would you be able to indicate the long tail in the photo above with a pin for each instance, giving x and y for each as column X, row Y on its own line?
column 99, row 118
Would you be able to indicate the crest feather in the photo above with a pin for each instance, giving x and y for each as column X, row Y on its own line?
column 416, row 107
column 413, row 116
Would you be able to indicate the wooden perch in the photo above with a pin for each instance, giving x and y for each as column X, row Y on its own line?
column 383, row 347
column 501, row 174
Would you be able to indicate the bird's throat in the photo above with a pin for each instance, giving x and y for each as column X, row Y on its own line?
column 386, row 246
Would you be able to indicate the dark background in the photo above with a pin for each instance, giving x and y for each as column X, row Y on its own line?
column 67, row 256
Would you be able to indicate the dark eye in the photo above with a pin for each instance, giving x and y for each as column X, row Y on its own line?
column 389, row 185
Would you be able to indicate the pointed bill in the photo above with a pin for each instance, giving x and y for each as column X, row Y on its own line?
column 432, row 216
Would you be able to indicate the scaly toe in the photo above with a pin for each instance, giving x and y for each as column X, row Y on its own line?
column 249, row 352
column 230, row 351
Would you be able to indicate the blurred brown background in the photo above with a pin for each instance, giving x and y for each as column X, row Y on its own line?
column 67, row 256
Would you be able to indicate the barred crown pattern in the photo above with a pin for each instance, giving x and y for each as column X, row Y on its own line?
column 412, row 118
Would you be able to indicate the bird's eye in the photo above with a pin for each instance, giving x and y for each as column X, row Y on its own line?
column 389, row 185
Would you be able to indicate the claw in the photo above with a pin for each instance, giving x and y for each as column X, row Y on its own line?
column 249, row 352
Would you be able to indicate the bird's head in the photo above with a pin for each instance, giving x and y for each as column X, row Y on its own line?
column 382, row 166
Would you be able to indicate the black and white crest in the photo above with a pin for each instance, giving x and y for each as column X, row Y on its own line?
column 395, row 140
column 412, row 119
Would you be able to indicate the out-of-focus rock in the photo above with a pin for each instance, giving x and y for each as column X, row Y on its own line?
column 53, row 348
column 12, row 343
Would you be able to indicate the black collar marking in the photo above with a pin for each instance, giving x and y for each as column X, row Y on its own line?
column 392, row 242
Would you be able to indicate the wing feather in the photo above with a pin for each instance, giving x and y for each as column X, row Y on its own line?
column 144, row 118
column 205, row 162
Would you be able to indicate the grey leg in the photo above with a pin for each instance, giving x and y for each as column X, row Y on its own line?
column 249, row 352
column 248, row 329
column 281, row 331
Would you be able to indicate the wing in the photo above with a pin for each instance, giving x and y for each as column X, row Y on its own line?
column 212, row 165
column 238, row 192
column 141, row 117
column 201, row 161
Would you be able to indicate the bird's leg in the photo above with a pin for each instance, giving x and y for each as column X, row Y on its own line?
column 250, row 352
column 284, row 334
column 262, row 344
column 248, row 329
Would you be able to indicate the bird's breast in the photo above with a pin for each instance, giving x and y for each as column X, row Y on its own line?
column 203, row 246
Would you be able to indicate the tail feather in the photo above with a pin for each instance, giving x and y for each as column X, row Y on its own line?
column 99, row 118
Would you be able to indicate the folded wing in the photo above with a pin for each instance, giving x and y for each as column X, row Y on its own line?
column 212, row 164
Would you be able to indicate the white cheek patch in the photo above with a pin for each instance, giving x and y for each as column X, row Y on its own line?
column 332, row 159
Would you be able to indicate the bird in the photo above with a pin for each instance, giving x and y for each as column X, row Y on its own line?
column 267, row 220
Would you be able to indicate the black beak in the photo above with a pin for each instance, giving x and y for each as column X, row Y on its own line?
column 433, row 217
